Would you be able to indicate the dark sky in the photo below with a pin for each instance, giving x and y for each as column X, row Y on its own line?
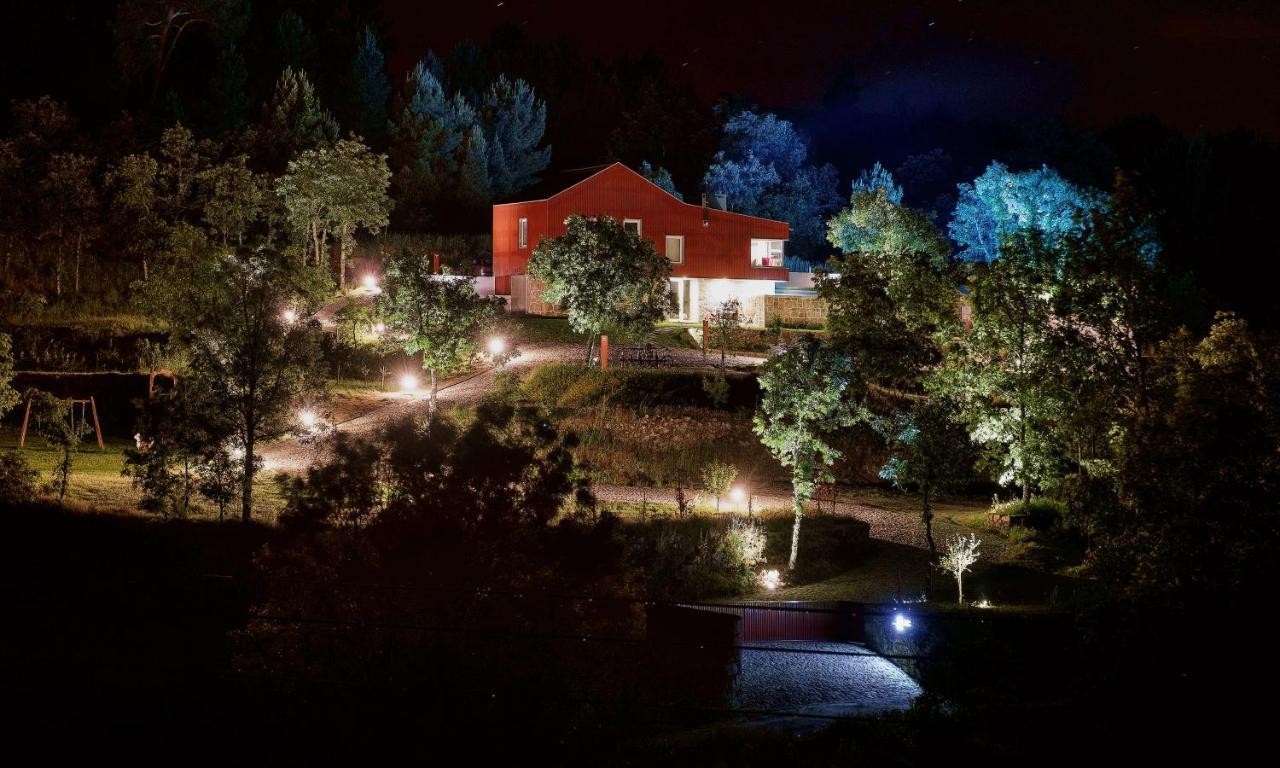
column 1197, row 65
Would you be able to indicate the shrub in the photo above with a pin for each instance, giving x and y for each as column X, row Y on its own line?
column 695, row 558
column 17, row 479
column 574, row 385
column 1039, row 514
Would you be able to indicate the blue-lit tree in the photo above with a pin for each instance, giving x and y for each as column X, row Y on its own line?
column 514, row 120
column 1001, row 204
column 661, row 177
column 761, row 170
column 370, row 86
column 878, row 177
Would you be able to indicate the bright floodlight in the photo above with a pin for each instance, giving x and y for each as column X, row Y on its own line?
column 370, row 281
column 737, row 494
column 308, row 419
column 901, row 623
column 289, row 316
column 408, row 382
column 497, row 345
column 770, row 579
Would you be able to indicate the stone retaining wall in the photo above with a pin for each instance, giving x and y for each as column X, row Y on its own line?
column 796, row 311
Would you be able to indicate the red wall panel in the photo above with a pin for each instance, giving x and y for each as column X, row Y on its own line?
column 720, row 249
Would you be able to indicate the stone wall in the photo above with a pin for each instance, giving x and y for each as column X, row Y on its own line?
column 796, row 311
column 534, row 304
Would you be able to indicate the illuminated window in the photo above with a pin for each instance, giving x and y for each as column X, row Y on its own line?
column 523, row 237
column 766, row 253
column 632, row 224
column 675, row 249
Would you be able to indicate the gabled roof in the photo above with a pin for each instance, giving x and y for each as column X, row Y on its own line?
column 565, row 180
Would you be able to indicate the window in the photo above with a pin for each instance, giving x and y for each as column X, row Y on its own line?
column 523, row 236
column 766, row 253
column 675, row 249
column 632, row 224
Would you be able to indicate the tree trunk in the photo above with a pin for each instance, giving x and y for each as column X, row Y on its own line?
column 795, row 532
column 591, row 346
column 79, row 246
column 926, row 514
column 431, row 402
column 246, row 488
column 960, row 587
column 1022, row 440
column 342, row 260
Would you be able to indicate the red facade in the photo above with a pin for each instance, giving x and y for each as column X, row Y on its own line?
column 717, row 244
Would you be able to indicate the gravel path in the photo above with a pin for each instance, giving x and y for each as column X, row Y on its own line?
column 294, row 456
column 821, row 683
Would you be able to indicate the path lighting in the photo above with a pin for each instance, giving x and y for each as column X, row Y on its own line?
column 289, row 316
column 379, row 328
column 737, row 494
column 497, row 345
column 370, row 281
column 770, row 579
column 408, row 382
column 901, row 623
column 308, row 419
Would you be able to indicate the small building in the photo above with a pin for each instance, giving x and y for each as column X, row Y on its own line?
column 715, row 255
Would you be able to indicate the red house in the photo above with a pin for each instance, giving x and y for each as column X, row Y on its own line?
column 715, row 255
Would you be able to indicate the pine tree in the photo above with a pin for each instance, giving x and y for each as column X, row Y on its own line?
column 294, row 42
column 515, row 121
column 229, row 101
column 294, row 120
column 473, row 183
column 371, row 89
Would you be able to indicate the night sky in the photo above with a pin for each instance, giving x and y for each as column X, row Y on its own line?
column 1206, row 66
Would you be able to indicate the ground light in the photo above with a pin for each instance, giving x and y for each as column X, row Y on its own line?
column 370, row 281
column 379, row 328
column 901, row 623
column 497, row 345
column 770, row 579
column 737, row 494
column 289, row 316
column 408, row 382
column 308, row 419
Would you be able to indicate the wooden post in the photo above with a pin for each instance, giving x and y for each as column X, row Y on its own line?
column 97, row 428
column 435, row 263
column 706, row 333
column 604, row 352
column 26, row 418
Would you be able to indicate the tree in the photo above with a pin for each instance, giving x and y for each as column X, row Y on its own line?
column 718, row 477
column 336, row 190
column 931, row 455
column 64, row 432
column 726, row 324
column 135, row 211
column 806, row 395
column 892, row 290
column 249, row 366
column 761, row 170
column 148, row 32
column 1006, row 375
column 961, row 553
column 661, row 177
column 17, row 479
column 1001, row 204
column 514, row 120
column 8, row 395
column 70, row 208
column 605, row 276
column 293, row 121
column 234, row 198
column 295, row 45
column 441, row 316
column 371, row 89
column 229, row 100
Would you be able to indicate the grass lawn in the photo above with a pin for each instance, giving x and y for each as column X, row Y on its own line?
column 97, row 484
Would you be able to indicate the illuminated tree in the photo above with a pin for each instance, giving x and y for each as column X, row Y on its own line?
column 726, row 324
column 293, row 121
column 605, row 276
column 761, row 170
column 717, row 478
column 70, row 211
column 806, row 397
column 1002, row 204
column 961, row 552
column 440, row 316
column 514, row 120
column 661, row 177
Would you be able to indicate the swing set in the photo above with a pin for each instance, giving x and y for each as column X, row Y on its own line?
column 87, row 405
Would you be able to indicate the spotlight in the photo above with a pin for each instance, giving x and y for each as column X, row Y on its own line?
column 737, row 494
column 497, row 345
column 289, row 316
column 408, row 382
column 370, row 281
column 308, row 419
column 901, row 623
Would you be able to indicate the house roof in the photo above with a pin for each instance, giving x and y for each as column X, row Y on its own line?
column 562, row 181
